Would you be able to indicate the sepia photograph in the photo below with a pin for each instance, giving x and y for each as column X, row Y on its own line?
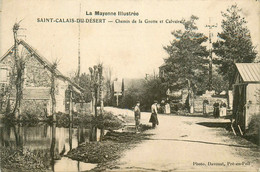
column 131, row 86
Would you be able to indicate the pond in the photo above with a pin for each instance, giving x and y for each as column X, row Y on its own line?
column 50, row 141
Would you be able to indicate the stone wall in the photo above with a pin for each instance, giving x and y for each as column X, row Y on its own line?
column 198, row 103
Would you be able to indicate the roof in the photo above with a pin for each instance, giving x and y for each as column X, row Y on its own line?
column 42, row 60
column 117, row 86
column 34, row 93
column 250, row 72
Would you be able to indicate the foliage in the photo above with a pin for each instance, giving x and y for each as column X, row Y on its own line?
column 107, row 121
column 254, row 128
column 30, row 117
column 84, row 82
column 62, row 119
column 186, row 59
column 145, row 91
column 234, row 45
column 18, row 159
column 133, row 93
column 218, row 82
column 96, row 84
column 35, row 107
column 154, row 89
column 108, row 92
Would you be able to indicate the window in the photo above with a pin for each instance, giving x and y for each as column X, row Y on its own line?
column 3, row 75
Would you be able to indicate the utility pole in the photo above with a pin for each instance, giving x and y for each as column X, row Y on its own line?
column 210, row 26
column 78, row 73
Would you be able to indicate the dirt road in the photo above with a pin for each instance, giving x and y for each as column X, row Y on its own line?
column 182, row 143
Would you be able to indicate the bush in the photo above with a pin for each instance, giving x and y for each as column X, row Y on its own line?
column 175, row 107
column 18, row 159
column 34, row 107
column 31, row 117
column 253, row 131
column 62, row 119
column 107, row 121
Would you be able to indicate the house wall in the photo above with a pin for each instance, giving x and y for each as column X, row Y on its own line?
column 253, row 100
column 60, row 95
column 36, row 75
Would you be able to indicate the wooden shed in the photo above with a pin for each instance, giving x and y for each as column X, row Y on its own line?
column 246, row 93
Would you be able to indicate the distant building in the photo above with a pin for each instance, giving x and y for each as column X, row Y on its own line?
column 246, row 93
column 162, row 71
column 37, row 82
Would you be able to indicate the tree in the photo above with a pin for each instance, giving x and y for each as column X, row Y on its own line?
column 108, row 96
column 19, row 66
column 145, row 91
column 96, row 85
column 154, row 89
column 234, row 45
column 84, row 82
column 187, row 58
column 53, row 88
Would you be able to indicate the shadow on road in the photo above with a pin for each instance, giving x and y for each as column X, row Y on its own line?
column 204, row 142
column 215, row 124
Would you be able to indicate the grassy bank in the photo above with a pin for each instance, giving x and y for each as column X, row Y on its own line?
column 18, row 159
column 110, row 149
column 106, row 121
column 253, row 131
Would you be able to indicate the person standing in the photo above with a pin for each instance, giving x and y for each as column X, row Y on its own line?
column 153, row 118
column 216, row 109
column 223, row 109
column 137, row 113
column 167, row 108
column 162, row 106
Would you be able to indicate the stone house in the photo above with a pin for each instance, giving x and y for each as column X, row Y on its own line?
column 37, row 83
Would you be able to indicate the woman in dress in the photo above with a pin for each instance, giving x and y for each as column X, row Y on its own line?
column 153, row 118
column 167, row 108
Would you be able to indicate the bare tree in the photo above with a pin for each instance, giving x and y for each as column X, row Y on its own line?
column 20, row 66
column 96, row 74
column 52, row 91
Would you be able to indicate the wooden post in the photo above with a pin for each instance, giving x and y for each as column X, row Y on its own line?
column 241, row 132
column 117, row 99
column 70, row 135
column 71, row 105
column 96, row 101
column 233, row 128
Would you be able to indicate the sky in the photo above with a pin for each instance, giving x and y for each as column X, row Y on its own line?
column 130, row 50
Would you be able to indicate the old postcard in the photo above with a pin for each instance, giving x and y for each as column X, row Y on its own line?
column 129, row 85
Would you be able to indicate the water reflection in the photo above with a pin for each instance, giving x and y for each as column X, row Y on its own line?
column 96, row 134
column 49, row 141
column 53, row 141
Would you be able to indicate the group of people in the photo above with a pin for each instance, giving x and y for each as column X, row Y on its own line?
column 153, row 118
column 165, row 107
column 220, row 109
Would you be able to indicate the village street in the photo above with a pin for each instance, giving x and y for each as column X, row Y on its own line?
column 188, row 143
